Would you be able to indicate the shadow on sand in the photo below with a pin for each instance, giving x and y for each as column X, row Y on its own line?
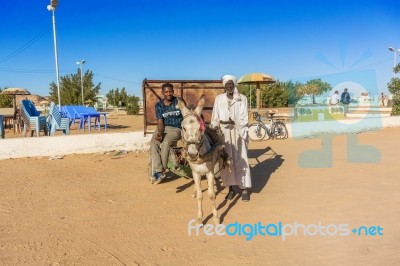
column 112, row 126
column 267, row 161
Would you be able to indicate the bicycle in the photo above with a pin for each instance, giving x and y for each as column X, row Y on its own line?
column 274, row 130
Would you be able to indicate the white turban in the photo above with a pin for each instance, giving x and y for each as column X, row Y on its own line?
column 227, row 78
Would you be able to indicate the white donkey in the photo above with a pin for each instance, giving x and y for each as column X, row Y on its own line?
column 203, row 156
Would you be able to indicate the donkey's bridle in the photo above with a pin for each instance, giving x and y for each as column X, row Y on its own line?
column 197, row 142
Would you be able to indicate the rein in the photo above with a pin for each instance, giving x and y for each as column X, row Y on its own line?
column 202, row 158
column 210, row 153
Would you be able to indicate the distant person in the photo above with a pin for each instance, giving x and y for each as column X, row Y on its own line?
column 345, row 100
column 168, row 131
column 335, row 98
column 383, row 99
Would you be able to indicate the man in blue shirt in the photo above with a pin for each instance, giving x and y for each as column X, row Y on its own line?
column 345, row 100
column 168, row 131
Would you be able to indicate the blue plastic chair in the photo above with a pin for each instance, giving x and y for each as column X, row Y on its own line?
column 56, row 121
column 69, row 111
column 32, row 119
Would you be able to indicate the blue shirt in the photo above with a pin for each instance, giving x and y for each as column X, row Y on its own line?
column 345, row 98
column 170, row 115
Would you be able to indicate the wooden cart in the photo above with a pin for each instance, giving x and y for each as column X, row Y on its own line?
column 190, row 91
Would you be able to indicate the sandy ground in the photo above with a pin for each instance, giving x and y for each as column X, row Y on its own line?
column 115, row 123
column 100, row 209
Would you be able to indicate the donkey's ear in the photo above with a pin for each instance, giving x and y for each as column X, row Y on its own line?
column 200, row 105
column 181, row 105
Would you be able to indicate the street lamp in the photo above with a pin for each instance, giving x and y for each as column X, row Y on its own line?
column 80, row 63
column 52, row 8
column 395, row 59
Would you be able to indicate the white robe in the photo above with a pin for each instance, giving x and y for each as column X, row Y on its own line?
column 236, row 138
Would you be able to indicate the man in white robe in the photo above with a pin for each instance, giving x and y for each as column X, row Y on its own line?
column 230, row 113
column 335, row 98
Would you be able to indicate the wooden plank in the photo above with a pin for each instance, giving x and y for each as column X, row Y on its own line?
column 189, row 90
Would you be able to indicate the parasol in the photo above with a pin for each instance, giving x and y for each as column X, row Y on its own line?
column 257, row 79
column 14, row 92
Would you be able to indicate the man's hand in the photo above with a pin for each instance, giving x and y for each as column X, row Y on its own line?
column 229, row 122
column 159, row 137
column 160, row 128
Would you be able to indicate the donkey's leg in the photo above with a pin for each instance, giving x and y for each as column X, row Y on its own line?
column 211, row 195
column 194, row 194
column 199, row 196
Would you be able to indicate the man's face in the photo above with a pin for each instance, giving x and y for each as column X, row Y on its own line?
column 229, row 86
column 168, row 93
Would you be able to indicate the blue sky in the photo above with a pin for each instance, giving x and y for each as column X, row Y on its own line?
column 125, row 41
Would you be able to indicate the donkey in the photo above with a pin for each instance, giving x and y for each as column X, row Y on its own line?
column 203, row 157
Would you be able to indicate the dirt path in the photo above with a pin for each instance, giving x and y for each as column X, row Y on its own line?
column 100, row 210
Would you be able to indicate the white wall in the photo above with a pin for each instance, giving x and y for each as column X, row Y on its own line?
column 304, row 129
column 135, row 141
column 61, row 145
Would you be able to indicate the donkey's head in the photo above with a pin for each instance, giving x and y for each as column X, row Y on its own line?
column 193, row 127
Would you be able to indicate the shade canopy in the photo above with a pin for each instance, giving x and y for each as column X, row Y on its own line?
column 14, row 92
column 256, row 78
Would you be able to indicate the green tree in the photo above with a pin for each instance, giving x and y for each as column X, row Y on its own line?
column 117, row 97
column 394, row 89
column 121, row 98
column 292, row 91
column 314, row 87
column 6, row 101
column 278, row 94
column 283, row 94
column 110, row 97
column 274, row 95
column 132, row 105
column 250, row 92
column 71, row 90
column 113, row 97
column 396, row 69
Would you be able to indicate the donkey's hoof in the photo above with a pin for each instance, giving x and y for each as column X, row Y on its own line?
column 199, row 222
column 216, row 220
